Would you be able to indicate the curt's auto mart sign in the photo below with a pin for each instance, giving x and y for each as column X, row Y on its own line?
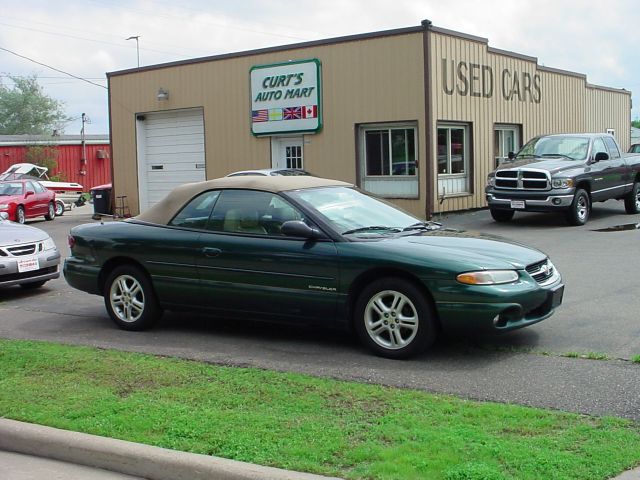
column 286, row 98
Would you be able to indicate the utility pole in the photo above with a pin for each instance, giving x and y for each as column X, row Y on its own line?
column 136, row 37
column 83, row 160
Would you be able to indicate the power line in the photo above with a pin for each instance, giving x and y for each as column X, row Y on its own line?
column 52, row 68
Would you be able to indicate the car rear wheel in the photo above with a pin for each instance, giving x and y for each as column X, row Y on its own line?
column 20, row 217
column 130, row 299
column 51, row 212
column 59, row 208
column 632, row 200
column 578, row 213
column 502, row 215
column 394, row 318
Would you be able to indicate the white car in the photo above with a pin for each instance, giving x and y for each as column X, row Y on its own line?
column 28, row 255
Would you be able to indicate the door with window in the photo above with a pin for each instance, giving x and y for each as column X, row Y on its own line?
column 506, row 138
column 287, row 152
column 453, row 159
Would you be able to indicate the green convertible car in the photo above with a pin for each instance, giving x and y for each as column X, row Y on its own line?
column 312, row 250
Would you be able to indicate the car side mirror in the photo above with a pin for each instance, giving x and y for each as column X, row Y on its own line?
column 297, row 228
column 28, row 193
column 511, row 155
column 601, row 156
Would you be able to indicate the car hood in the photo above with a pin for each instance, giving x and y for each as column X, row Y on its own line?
column 461, row 250
column 11, row 198
column 553, row 165
column 15, row 233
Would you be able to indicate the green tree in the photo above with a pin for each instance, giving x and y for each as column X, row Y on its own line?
column 44, row 156
column 26, row 109
column 635, row 123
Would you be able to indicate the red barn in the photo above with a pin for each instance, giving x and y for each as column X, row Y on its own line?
column 87, row 163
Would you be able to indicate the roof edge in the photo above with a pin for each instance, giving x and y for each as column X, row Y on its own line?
column 280, row 48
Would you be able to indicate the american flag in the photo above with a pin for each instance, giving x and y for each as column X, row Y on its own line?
column 292, row 113
column 260, row 115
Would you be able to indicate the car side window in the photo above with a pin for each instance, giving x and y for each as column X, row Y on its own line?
column 38, row 188
column 598, row 147
column 196, row 213
column 613, row 148
column 252, row 212
column 29, row 187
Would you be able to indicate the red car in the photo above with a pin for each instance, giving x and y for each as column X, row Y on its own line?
column 23, row 199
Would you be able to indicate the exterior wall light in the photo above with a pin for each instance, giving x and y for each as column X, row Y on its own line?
column 163, row 94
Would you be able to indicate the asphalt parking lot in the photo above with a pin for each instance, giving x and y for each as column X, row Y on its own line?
column 530, row 366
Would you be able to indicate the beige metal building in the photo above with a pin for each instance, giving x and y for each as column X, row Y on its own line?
column 418, row 115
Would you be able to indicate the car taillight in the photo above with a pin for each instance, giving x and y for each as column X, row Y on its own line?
column 71, row 241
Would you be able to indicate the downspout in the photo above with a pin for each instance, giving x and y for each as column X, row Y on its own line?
column 428, row 115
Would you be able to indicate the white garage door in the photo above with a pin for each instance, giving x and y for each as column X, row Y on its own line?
column 170, row 152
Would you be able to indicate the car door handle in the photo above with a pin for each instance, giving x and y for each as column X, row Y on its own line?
column 211, row 252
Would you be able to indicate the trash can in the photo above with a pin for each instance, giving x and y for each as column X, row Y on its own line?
column 101, row 196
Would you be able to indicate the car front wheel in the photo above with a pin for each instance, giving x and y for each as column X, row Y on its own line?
column 20, row 217
column 632, row 200
column 130, row 299
column 394, row 318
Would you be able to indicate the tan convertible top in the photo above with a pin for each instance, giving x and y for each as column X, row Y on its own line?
column 162, row 212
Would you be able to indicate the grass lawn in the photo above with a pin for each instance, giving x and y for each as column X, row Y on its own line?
column 304, row 423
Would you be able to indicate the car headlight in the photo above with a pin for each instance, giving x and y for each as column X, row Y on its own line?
column 491, row 181
column 48, row 244
column 488, row 277
column 4, row 206
column 562, row 183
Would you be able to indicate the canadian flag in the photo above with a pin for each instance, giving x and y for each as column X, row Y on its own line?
column 310, row 111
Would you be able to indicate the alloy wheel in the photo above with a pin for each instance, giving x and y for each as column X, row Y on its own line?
column 582, row 208
column 391, row 319
column 127, row 298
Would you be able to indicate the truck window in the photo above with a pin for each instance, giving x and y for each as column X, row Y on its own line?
column 613, row 148
column 598, row 146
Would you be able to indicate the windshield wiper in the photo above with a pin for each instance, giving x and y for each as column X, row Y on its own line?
column 372, row 227
column 423, row 226
column 557, row 155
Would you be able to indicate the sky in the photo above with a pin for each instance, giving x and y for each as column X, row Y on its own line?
column 87, row 38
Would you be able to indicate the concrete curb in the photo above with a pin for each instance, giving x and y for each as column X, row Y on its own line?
column 131, row 458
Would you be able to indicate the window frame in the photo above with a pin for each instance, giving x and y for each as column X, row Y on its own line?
column 467, row 175
column 389, row 186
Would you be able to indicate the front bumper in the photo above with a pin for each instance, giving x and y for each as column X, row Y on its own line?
column 47, row 263
column 503, row 308
column 532, row 201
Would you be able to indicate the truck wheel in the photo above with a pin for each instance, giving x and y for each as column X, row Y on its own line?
column 394, row 318
column 578, row 213
column 632, row 200
column 502, row 215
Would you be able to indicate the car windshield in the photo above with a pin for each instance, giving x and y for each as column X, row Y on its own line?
column 11, row 188
column 290, row 172
column 351, row 211
column 570, row 148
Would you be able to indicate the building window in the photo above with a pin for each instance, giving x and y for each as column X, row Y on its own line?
column 389, row 160
column 506, row 138
column 453, row 159
column 293, row 156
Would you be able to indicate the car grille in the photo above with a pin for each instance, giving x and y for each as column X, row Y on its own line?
column 21, row 250
column 541, row 271
column 31, row 274
column 522, row 180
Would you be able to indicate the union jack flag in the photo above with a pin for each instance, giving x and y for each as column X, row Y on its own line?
column 292, row 113
column 260, row 115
